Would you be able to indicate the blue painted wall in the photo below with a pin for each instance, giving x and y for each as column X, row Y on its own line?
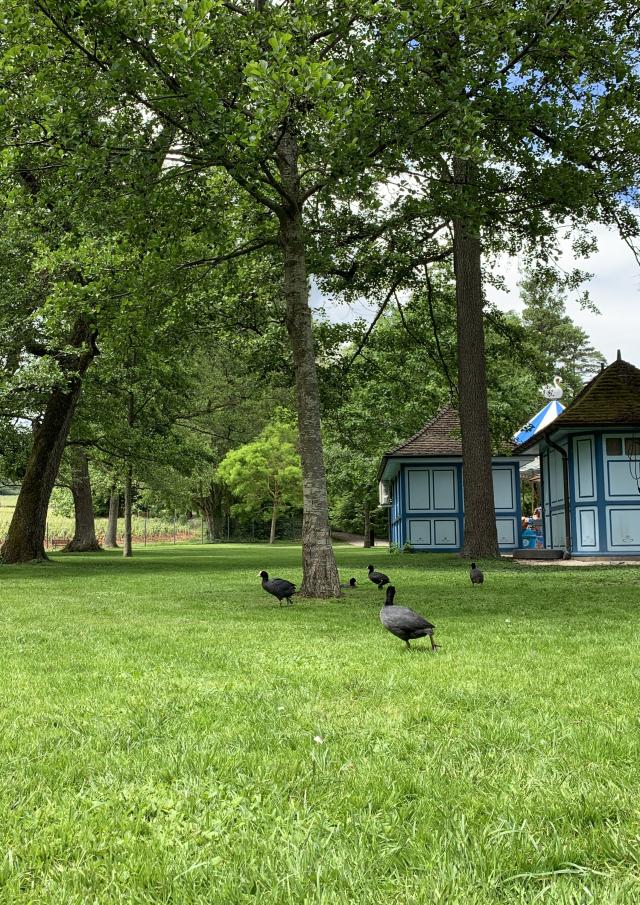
column 604, row 505
column 440, row 526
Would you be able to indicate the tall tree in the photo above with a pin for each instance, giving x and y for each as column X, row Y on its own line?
column 62, row 213
column 558, row 345
column 265, row 475
column 527, row 99
column 285, row 99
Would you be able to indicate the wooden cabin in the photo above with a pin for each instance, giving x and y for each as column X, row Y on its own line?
column 421, row 482
column 590, row 467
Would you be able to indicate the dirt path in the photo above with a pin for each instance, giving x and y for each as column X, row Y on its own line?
column 355, row 540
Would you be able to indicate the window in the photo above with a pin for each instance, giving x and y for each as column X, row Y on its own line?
column 614, row 446
column 632, row 446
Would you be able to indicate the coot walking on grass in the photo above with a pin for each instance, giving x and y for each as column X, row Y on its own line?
column 378, row 578
column 405, row 623
column 476, row 575
column 279, row 587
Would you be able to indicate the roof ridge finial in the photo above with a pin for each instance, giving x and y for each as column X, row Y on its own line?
column 619, row 356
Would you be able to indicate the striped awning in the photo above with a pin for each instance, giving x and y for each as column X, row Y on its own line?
column 540, row 421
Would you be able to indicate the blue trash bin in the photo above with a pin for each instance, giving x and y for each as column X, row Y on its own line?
column 529, row 538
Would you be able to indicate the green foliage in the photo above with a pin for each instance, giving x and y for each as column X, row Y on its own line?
column 265, row 475
column 554, row 344
column 407, row 371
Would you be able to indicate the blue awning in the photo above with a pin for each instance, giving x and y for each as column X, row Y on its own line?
column 540, row 421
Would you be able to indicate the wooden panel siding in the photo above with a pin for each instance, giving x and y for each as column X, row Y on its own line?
column 444, row 489
column 587, row 533
column 504, row 491
column 624, row 528
column 427, row 505
column 584, row 477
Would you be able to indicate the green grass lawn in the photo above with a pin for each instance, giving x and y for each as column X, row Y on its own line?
column 170, row 735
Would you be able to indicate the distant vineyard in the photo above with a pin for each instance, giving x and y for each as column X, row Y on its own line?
column 157, row 530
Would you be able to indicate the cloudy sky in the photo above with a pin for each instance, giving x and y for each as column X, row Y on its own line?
column 614, row 289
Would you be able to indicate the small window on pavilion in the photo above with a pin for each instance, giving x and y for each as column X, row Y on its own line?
column 614, row 446
column 632, row 447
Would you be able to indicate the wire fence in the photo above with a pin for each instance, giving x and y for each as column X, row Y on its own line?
column 151, row 527
column 160, row 530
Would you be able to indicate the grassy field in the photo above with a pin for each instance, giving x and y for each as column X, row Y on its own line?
column 169, row 735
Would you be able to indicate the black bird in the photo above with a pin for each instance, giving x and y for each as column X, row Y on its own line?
column 279, row 587
column 352, row 584
column 378, row 578
column 405, row 623
column 476, row 575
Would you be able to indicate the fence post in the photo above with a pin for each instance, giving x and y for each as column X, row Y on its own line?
column 174, row 526
column 202, row 529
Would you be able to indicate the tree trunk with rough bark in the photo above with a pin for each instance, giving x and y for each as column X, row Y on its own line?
column 480, row 532
column 25, row 538
column 127, row 546
column 111, row 534
column 84, row 539
column 367, row 524
column 319, row 569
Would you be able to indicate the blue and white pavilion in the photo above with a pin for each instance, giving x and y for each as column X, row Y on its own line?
column 590, row 467
column 421, row 481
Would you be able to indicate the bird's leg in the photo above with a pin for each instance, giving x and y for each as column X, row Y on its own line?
column 408, row 645
column 434, row 646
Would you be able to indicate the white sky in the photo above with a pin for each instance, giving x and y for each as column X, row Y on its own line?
column 614, row 288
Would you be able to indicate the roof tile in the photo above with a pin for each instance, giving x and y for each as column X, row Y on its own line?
column 439, row 437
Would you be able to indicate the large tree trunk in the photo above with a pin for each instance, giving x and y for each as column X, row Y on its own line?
column 111, row 535
column 319, row 569
column 84, row 539
column 25, row 538
column 480, row 533
column 127, row 546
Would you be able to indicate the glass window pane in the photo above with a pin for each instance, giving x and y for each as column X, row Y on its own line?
column 632, row 446
column 614, row 446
